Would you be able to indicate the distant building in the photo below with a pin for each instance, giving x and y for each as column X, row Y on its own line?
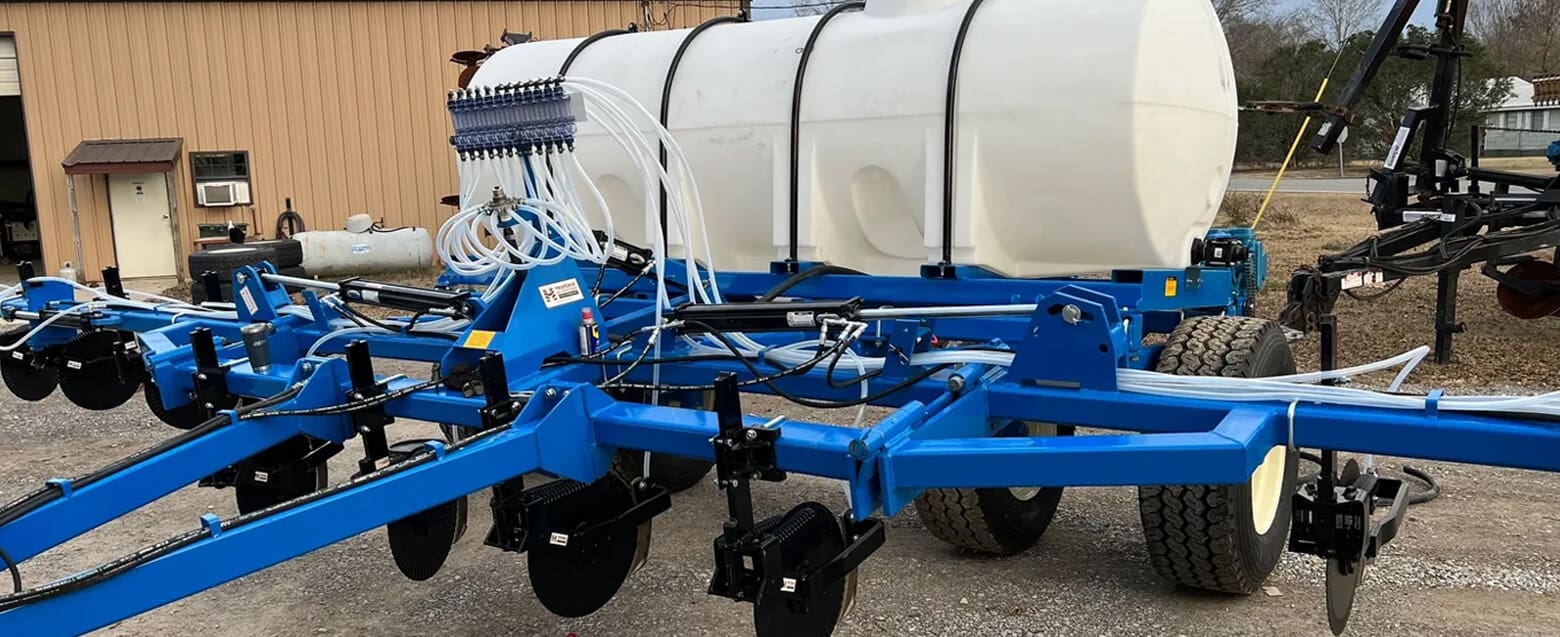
column 1527, row 122
column 160, row 121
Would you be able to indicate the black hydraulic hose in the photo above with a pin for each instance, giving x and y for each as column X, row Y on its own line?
column 568, row 62
column 1431, row 491
column 950, row 131
column 796, row 120
column 666, row 96
column 16, row 573
column 43, row 496
column 801, row 277
column 139, row 558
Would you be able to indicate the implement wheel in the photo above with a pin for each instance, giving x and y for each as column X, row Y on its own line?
column 994, row 521
column 673, row 472
column 1224, row 538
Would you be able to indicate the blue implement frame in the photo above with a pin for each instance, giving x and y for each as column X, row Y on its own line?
column 940, row 434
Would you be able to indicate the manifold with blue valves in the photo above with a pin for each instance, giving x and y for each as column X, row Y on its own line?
column 618, row 372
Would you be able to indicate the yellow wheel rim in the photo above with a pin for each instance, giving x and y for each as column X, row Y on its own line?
column 1267, row 486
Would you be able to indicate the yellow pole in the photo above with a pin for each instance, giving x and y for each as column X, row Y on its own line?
column 1287, row 158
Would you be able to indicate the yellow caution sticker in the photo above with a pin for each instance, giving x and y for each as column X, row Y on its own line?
column 479, row 339
column 1170, row 287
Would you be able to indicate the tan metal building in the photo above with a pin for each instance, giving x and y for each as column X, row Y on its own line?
column 220, row 111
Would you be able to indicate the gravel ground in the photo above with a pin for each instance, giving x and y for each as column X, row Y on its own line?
column 1481, row 560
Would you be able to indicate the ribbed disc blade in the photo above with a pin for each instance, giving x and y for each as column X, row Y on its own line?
column 90, row 377
column 421, row 543
column 21, row 378
column 808, row 538
column 575, row 575
column 1529, row 306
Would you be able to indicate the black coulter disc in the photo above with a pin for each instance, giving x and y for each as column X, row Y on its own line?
column 186, row 416
column 575, row 575
column 254, row 497
column 809, row 537
column 16, row 369
column 90, row 377
column 420, row 543
column 1344, row 574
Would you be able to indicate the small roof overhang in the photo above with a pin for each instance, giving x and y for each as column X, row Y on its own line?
column 123, row 156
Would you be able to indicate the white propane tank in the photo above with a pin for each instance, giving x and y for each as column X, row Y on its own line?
column 1090, row 135
column 329, row 252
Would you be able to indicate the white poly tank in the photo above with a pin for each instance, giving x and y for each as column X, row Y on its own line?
column 1090, row 135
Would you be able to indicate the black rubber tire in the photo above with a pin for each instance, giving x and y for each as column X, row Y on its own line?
column 676, row 473
column 293, row 271
column 673, row 472
column 227, row 258
column 993, row 521
column 1204, row 536
column 289, row 252
column 198, row 293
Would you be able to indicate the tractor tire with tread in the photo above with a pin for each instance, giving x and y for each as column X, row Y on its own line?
column 992, row 521
column 289, row 252
column 1207, row 536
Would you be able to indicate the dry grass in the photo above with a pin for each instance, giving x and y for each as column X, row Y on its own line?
column 1496, row 350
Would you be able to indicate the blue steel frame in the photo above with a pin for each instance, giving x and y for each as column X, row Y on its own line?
column 1064, row 372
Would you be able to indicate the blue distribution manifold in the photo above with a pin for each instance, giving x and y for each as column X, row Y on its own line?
column 521, row 397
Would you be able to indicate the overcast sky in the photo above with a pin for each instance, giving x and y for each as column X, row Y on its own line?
column 1425, row 15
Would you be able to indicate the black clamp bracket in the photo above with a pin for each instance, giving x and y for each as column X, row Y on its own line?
column 210, row 377
column 501, row 408
column 369, row 421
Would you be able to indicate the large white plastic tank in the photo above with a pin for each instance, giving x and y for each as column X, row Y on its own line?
column 1091, row 135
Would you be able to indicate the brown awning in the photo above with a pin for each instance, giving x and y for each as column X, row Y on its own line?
column 123, row 156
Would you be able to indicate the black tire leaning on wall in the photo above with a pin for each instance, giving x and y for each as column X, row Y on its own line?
column 289, row 252
column 1211, row 537
column 225, row 259
column 198, row 287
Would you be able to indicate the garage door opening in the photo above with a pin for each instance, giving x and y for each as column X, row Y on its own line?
column 19, row 238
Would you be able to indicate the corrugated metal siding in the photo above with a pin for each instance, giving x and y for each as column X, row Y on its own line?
column 339, row 104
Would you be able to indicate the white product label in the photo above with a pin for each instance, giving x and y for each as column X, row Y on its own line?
column 249, row 300
column 1396, row 153
column 262, row 477
column 558, row 539
column 18, row 356
column 788, row 585
column 1354, row 280
column 561, row 293
column 370, row 296
column 73, row 364
column 362, row 248
column 801, row 319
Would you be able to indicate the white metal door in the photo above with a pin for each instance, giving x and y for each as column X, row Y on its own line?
column 10, row 79
column 143, row 232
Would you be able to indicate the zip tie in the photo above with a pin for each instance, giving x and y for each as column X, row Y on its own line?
column 762, row 353
column 1433, row 403
column 1292, row 405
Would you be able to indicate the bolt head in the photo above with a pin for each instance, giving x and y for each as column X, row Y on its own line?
column 550, row 393
column 1072, row 314
column 752, row 434
column 200, row 376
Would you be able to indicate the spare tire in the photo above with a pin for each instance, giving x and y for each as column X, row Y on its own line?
column 289, row 252
column 225, row 259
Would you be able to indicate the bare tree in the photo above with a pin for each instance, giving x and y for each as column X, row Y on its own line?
column 1336, row 20
column 1522, row 36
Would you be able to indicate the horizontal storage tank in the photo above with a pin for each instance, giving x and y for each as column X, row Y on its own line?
column 1089, row 135
column 332, row 252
